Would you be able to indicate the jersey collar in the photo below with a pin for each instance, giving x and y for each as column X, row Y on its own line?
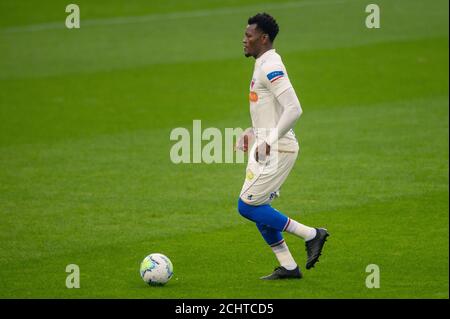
column 265, row 54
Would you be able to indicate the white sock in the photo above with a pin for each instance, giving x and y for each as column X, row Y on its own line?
column 284, row 256
column 300, row 230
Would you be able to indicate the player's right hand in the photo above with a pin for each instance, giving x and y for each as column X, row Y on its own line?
column 245, row 141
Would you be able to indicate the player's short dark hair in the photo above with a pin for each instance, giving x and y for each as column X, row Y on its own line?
column 266, row 23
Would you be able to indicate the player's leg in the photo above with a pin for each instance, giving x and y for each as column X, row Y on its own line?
column 267, row 215
column 288, row 267
column 263, row 214
column 275, row 240
column 275, row 222
column 255, row 199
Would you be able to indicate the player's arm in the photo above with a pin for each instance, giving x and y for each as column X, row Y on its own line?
column 291, row 112
column 278, row 83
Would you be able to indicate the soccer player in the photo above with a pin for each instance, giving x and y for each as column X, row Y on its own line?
column 274, row 109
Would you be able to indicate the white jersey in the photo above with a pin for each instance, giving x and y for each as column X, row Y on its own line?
column 269, row 80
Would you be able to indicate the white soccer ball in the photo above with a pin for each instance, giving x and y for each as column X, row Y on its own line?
column 156, row 269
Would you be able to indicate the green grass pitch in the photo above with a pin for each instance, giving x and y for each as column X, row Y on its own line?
column 86, row 177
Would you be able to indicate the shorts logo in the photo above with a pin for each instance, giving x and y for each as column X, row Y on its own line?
column 275, row 75
column 253, row 97
column 250, row 175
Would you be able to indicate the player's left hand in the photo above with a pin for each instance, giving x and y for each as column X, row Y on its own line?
column 262, row 152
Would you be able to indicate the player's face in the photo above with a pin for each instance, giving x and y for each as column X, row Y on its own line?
column 253, row 40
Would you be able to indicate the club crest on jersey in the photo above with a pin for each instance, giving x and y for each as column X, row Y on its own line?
column 275, row 75
column 253, row 97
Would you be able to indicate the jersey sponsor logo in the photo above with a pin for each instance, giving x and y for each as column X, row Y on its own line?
column 275, row 75
column 253, row 97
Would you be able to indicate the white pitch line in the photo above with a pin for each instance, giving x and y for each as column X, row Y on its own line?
column 166, row 16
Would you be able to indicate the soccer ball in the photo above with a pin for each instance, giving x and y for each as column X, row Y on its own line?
column 156, row 269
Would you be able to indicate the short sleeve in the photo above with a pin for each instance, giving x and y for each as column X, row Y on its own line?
column 275, row 78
